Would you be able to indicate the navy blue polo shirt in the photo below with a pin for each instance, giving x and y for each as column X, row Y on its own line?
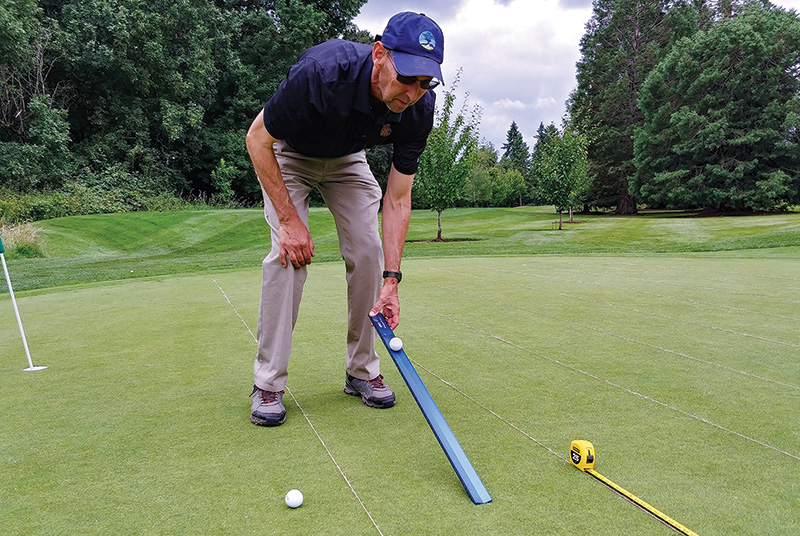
column 323, row 108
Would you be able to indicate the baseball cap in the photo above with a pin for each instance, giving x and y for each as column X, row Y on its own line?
column 417, row 44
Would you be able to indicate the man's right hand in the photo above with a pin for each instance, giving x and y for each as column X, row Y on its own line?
column 297, row 246
column 295, row 240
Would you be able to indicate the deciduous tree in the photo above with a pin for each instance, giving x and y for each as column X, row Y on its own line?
column 563, row 175
column 449, row 155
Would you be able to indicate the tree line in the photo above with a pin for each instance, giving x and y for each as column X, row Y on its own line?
column 691, row 104
column 125, row 104
column 112, row 105
column 680, row 104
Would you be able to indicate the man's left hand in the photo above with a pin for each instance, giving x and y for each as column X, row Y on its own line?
column 388, row 303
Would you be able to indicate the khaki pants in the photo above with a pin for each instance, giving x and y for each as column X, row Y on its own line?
column 353, row 197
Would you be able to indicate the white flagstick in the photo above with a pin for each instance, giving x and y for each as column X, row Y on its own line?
column 16, row 311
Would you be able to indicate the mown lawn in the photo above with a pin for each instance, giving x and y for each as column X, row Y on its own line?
column 681, row 367
column 89, row 249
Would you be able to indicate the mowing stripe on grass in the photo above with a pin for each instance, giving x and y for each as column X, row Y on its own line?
column 611, row 334
column 664, row 296
column 696, row 324
column 612, row 384
column 313, row 428
column 715, row 290
column 719, row 306
column 734, row 282
column 616, row 267
column 718, row 291
column 648, row 313
column 766, row 276
column 665, row 317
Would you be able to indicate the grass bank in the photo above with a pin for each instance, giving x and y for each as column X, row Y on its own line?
column 86, row 249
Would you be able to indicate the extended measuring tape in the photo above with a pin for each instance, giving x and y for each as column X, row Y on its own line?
column 582, row 454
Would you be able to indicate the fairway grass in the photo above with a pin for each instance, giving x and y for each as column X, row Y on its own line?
column 683, row 370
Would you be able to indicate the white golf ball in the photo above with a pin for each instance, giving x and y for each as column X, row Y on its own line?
column 395, row 343
column 294, row 498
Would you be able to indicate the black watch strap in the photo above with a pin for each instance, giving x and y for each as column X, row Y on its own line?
column 397, row 275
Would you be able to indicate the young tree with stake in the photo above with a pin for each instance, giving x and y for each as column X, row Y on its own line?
column 449, row 155
column 564, row 172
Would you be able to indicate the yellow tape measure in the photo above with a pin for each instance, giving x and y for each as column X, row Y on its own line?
column 582, row 454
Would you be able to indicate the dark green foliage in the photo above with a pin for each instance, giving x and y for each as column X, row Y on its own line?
column 153, row 78
column 146, row 97
column 493, row 184
column 688, row 107
column 543, row 137
column 516, row 154
column 721, row 117
column 41, row 158
column 18, row 29
column 34, row 132
column 517, row 157
column 26, row 251
column 625, row 39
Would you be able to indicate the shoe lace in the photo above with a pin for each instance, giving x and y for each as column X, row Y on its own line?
column 267, row 397
column 377, row 382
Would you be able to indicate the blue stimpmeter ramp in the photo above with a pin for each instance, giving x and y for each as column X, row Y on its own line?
column 452, row 448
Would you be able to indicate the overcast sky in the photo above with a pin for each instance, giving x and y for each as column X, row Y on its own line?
column 518, row 56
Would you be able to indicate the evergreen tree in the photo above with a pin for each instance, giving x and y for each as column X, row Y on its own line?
column 516, row 156
column 721, row 113
column 625, row 39
column 543, row 137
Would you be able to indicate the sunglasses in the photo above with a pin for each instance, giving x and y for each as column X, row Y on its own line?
column 411, row 80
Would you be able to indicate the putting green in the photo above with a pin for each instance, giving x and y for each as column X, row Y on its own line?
column 683, row 373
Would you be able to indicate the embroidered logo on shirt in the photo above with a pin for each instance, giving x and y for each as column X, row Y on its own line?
column 386, row 130
column 427, row 40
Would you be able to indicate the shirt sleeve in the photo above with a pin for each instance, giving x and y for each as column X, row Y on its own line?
column 409, row 149
column 406, row 156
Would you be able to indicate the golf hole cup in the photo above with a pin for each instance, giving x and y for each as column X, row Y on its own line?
column 294, row 498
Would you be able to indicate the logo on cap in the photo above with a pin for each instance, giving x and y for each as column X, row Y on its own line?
column 427, row 40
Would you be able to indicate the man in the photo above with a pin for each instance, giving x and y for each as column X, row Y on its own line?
column 338, row 99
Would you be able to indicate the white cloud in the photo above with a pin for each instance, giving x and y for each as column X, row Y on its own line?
column 546, row 102
column 508, row 104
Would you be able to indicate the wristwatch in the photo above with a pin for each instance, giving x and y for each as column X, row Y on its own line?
column 397, row 275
